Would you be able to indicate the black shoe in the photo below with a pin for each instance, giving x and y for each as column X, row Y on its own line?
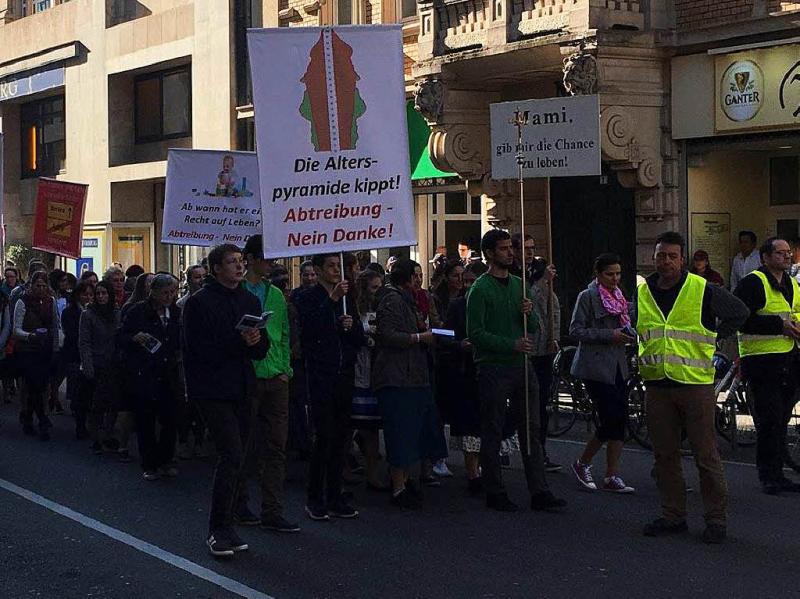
column 97, row 449
column 546, row 501
column 551, row 466
column 661, row 527
column 431, row 481
column 237, row 544
column 342, row 509
column 789, row 485
column 415, row 490
column 771, row 487
column 244, row 517
column 318, row 513
column 714, row 534
column 405, row 500
column 475, row 486
column 81, row 434
column 278, row 524
column 501, row 503
column 219, row 547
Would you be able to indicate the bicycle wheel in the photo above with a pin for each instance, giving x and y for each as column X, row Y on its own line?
column 637, row 421
column 563, row 407
column 743, row 420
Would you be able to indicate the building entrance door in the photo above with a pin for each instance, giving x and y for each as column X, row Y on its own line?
column 589, row 218
column 132, row 245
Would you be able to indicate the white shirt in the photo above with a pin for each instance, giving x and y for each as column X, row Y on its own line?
column 744, row 266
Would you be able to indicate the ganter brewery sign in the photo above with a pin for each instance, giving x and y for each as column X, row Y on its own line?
column 561, row 137
column 742, row 90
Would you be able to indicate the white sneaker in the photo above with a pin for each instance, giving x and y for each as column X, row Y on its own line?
column 615, row 484
column 440, row 469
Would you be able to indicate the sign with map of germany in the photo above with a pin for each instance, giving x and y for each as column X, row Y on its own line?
column 332, row 139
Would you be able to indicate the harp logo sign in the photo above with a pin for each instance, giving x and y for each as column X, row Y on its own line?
column 332, row 102
column 742, row 90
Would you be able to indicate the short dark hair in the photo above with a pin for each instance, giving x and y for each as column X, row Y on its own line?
column 672, row 238
column 306, row 264
column 402, row 271
column 217, row 255
column 376, row 267
column 517, row 240
column 605, row 260
column 134, row 270
column 768, row 247
column 319, row 259
column 82, row 286
column 254, row 246
column 464, row 241
column 86, row 274
column 749, row 234
column 490, row 239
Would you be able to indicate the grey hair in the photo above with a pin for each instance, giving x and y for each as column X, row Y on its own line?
column 111, row 271
column 162, row 280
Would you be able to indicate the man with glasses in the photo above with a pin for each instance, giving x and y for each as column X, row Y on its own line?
column 678, row 318
column 768, row 347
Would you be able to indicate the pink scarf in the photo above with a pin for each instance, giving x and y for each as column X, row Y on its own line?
column 614, row 303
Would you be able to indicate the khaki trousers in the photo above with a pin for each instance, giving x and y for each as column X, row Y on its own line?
column 669, row 410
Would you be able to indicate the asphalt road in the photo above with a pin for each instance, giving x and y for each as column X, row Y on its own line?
column 453, row 548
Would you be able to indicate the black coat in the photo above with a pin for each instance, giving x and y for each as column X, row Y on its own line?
column 216, row 359
column 70, row 321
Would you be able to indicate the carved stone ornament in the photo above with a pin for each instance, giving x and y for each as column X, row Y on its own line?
column 429, row 99
column 461, row 149
column 637, row 165
column 580, row 73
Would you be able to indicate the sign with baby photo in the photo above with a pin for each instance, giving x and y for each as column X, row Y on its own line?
column 330, row 112
column 211, row 197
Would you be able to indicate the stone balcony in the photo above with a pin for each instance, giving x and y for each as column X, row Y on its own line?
column 448, row 26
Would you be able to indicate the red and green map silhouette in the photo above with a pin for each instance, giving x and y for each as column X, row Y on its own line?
column 349, row 105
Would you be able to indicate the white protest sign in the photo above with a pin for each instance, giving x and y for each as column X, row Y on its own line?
column 332, row 138
column 211, row 197
column 561, row 138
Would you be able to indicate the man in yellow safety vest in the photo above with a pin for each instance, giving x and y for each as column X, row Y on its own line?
column 676, row 318
column 768, row 347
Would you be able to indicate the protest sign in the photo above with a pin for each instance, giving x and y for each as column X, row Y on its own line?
column 560, row 138
column 58, row 220
column 211, row 197
column 332, row 139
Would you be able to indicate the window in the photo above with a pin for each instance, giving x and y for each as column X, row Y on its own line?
column 784, row 181
column 43, row 140
column 344, row 12
column 163, row 105
column 408, row 9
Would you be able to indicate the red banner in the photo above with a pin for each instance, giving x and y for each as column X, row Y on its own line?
column 58, row 223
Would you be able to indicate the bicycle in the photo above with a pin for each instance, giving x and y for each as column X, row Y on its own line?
column 734, row 419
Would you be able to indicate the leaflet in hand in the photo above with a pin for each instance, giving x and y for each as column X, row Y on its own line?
column 444, row 332
column 150, row 343
column 249, row 322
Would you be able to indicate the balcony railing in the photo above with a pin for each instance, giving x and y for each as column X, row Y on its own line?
column 452, row 25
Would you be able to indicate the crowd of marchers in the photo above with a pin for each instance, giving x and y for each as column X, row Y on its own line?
column 366, row 359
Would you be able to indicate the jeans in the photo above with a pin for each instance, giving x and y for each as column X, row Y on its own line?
column 331, row 400
column 669, row 410
column 229, row 425
column 266, row 451
column 499, row 385
column 773, row 400
column 157, row 450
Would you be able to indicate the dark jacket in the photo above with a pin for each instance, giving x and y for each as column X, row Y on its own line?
column 70, row 321
column 597, row 358
column 142, row 317
column 328, row 349
column 97, row 340
column 399, row 361
column 216, row 359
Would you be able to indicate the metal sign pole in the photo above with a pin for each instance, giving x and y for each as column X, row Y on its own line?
column 520, row 121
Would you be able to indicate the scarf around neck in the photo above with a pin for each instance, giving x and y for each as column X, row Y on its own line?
column 614, row 303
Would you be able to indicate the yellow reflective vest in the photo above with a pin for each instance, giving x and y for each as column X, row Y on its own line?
column 776, row 305
column 679, row 347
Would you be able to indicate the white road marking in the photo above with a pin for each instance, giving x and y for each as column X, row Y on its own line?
column 152, row 550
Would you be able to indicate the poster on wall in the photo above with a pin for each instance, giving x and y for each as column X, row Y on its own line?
column 211, row 197
column 560, row 137
column 332, row 139
column 711, row 232
column 58, row 218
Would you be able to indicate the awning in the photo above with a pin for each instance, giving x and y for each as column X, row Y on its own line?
column 418, row 133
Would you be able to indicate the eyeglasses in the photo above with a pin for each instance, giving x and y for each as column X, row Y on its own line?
column 784, row 253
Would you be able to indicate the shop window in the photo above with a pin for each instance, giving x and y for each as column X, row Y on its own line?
column 163, row 105
column 784, row 180
column 43, row 140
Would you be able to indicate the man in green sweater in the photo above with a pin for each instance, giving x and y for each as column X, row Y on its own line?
column 495, row 308
column 266, row 453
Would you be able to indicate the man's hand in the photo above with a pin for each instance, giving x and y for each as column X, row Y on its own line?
column 527, row 306
column 346, row 321
column 790, row 329
column 426, row 338
column 523, row 345
column 284, row 378
column 620, row 337
column 466, row 344
column 140, row 338
column 251, row 336
column 340, row 290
